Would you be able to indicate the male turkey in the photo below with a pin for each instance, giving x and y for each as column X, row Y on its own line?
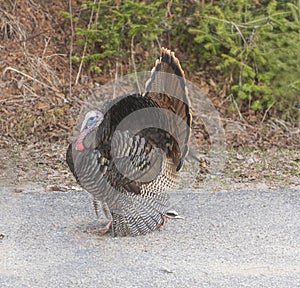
column 130, row 154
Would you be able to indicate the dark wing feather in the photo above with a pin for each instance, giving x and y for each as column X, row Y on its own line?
column 117, row 111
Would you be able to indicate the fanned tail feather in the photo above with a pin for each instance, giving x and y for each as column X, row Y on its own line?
column 167, row 87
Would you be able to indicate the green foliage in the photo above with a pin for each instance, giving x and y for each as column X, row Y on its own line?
column 256, row 48
column 115, row 29
column 253, row 49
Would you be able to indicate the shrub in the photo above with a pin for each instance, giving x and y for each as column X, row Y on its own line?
column 115, row 29
column 253, row 46
column 256, row 48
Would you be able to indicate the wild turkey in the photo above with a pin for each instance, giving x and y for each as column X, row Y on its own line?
column 128, row 156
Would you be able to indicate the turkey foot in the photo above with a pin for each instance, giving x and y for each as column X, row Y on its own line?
column 102, row 230
column 171, row 214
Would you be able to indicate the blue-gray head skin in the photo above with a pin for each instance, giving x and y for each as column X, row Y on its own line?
column 91, row 121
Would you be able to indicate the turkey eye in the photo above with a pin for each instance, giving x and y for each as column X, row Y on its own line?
column 91, row 121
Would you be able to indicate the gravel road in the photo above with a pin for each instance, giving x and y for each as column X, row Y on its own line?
column 227, row 239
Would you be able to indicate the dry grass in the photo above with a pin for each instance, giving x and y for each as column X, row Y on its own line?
column 34, row 72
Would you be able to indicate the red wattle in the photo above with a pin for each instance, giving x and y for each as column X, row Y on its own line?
column 79, row 146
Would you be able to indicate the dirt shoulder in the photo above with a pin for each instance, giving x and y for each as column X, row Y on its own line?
column 44, row 166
